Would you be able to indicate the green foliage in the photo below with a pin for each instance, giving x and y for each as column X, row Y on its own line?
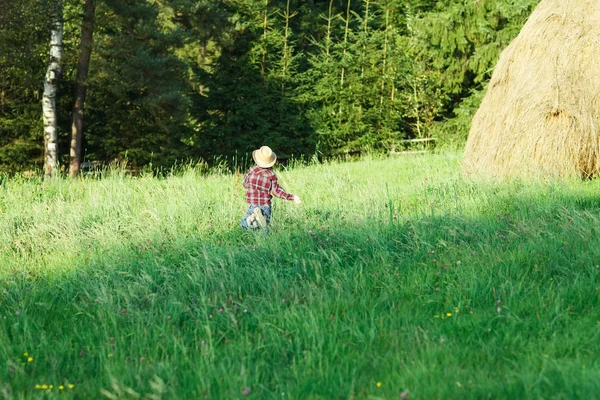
column 453, row 132
column 181, row 79
column 251, row 95
column 24, row 36
column 354, row 105
column 459, row 43
column 138, row 98
column 395, row 271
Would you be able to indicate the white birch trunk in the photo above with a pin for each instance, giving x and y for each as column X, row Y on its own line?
column 53, row 74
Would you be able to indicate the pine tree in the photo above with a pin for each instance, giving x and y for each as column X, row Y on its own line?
column 458, row 44
column 251, row 97
column 202, row 78
column 24, row 33
column 138, row 91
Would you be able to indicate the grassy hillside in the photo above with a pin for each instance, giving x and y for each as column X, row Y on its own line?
column 396, row 278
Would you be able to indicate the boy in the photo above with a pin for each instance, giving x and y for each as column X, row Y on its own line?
column 261, row 185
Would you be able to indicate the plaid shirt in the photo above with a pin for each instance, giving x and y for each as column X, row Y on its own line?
column 261, row 185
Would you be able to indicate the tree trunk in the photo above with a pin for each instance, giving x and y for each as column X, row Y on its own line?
column 328, row 35
column 345, row 44
column 286, row 49
column 264, row 54
column 52, row 78
column 87, row 31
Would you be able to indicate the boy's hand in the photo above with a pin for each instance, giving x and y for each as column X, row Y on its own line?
column 297, row 199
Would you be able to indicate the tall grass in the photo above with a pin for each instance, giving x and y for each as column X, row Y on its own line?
column 395, row 277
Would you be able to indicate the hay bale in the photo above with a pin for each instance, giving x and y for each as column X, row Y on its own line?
column 541, row 113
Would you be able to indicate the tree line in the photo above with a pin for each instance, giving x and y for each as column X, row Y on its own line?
column 156, row 82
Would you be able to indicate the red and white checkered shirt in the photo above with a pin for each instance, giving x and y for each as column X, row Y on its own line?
column 261, row 185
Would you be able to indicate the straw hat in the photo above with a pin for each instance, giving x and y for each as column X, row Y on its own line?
column 264, row 157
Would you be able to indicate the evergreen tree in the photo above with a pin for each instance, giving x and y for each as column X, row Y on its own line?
column 251, row 94
column 24, row 34
column 138, row 93
column 351, row 87
column 460, row 43
column 184, row 79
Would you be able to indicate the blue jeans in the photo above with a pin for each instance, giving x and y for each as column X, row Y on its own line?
column 266, row 210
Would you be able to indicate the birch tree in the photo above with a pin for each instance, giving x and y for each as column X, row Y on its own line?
column 53, row 73
column 87, row 31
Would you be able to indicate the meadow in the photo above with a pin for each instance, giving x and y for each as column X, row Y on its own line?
column 395, row 278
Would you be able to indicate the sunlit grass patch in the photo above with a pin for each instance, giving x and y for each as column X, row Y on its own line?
column 393, row 271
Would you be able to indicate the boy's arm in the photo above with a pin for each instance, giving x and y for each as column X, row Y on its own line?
column 278, row 191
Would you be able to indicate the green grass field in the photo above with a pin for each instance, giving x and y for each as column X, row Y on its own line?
column 396, row 278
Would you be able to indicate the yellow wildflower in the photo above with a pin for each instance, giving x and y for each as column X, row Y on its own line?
column 449, row 314
column 61, row 387
column 30, row 359
column 26, row 354
column 44, row 386
column 38, row 386
column 378, row 384
column 71, row 386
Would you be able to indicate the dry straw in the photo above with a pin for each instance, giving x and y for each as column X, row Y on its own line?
column 541, row 113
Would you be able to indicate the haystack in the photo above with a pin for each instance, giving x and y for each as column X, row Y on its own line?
column 541, row 113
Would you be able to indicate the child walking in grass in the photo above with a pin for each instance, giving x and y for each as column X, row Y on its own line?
column 261, row 185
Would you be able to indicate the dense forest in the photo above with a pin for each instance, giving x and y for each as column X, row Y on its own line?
column 170, row 81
